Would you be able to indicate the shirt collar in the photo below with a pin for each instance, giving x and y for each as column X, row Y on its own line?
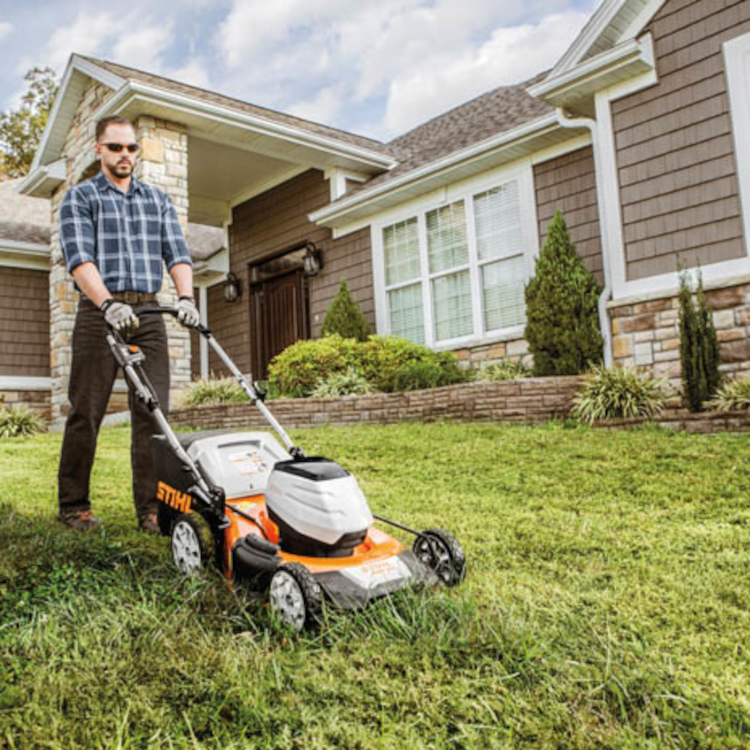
column 104, row 184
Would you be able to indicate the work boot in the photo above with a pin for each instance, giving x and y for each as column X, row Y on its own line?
column 149, row 524
column 81, row 520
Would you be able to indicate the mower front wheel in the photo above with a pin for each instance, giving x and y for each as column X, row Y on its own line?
column 189, row 545
column 295, row 596
column 441, row 551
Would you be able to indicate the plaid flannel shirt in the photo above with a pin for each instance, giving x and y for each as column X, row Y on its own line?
column 126, row 235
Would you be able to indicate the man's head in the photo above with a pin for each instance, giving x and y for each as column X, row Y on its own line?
column 116, row 146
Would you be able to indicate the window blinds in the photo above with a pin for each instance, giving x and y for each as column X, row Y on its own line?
column 446, row 238
column 451, row 306
column 401, row 243
column 407, row 313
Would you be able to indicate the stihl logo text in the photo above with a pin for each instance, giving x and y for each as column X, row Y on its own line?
column 177, row 500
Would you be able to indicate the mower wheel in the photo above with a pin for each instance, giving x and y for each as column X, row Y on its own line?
column 295, row 596
column 189, row 546
column 441, row 551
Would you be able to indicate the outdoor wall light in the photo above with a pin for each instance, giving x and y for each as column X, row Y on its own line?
column 312, row 261
column 232, row 288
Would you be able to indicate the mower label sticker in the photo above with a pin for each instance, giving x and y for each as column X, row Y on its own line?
column 373, row 574
column 248, row 463
column 178, row 500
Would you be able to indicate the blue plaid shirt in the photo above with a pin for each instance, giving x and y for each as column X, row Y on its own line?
column 126, row 235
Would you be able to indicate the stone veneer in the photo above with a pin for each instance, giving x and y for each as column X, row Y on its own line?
column 516, row 350
column 646, row 334
column 163, row 163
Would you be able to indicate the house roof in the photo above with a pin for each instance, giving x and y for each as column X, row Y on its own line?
column 480, row 119
column 23, row 219
column 133, row 74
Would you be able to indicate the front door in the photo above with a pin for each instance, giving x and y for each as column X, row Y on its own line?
column 280, row 317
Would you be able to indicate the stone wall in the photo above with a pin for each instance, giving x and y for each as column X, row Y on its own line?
column 529, row 400
column 36, row 400
column 646, row 334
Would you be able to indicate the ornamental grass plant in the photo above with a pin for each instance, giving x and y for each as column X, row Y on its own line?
column 17, row 421
column 618, row 393
column 349, row 383
column 732, row 396
column 505, row 369
column 213, row 391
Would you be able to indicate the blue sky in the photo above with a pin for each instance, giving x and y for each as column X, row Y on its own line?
column 375, row 67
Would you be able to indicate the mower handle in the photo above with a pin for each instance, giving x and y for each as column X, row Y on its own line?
column 174, row 313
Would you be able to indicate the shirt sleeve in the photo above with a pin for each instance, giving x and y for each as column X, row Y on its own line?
column 76, row 230
column 174, row 249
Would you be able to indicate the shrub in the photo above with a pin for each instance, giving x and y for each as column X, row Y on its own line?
column 734, row 396
column 619, row 392
column 17, row 421
column 562, row 326
column 214, row 391
column 416, row 375
column 301, row 366
column 344, row 317
column 383, row 357
column 506, row 369
column 349, row 383
column 699, row 347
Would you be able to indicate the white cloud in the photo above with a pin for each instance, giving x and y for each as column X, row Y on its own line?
column 509, row 56
column 194, row 73
column 86, row 35
column 143, row 48
column 324, row 107
column 5, row 28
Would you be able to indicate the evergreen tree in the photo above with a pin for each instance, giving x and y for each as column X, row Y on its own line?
column 344, row 317
column 562, row 327
column 699, row 347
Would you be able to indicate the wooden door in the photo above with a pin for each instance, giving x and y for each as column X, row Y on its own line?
column 280, row 317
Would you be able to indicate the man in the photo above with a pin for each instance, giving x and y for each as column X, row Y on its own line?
column 116, row 234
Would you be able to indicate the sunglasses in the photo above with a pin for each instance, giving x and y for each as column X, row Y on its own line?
column 115, row 148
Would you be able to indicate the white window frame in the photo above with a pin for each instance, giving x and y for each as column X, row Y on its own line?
column 465, row 190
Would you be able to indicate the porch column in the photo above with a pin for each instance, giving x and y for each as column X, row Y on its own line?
column 163, row 163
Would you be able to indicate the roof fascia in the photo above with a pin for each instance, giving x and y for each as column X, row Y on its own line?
column 595, row 27
column 75, row 64
column 498, row 142
column 136, row 90
column 49, row 175
column 638, row 54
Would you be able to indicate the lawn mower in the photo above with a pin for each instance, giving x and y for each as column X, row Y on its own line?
column 293, row 528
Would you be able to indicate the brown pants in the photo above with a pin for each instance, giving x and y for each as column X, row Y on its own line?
column 92, row 376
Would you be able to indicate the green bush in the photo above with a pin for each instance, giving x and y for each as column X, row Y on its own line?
column 214, row 391
column 617, row 393
column 416, row 375
column 17, row 421
column 733, row 396
column 344, row 317
column 349, row 383
column 562, row 326
column 506, row 369
column 699, row 347
column 300, row 367
column 383, row 358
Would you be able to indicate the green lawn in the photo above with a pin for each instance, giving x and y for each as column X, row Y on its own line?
column 606, row 605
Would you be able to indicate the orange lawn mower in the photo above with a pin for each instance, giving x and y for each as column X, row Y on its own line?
column 290, row 527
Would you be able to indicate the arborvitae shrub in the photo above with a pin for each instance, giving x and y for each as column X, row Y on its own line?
column 562, row 327
column 344, row 317
column 699, row 347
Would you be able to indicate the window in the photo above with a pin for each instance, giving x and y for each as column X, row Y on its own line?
column 457, row 272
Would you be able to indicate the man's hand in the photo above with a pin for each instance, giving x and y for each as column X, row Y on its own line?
column 187, row 312
column 119, row 315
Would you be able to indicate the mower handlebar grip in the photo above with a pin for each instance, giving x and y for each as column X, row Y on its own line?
column 174, row 313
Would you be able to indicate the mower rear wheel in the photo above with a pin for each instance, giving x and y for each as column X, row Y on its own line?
column 295, row 596
column 441, row 551
column 189, row 547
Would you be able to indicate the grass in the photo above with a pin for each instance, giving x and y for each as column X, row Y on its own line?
column 607, row 605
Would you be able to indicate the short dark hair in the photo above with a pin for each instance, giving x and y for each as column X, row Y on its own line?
column 105, row 122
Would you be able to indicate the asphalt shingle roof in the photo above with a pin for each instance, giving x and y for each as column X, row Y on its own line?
column 23, row 219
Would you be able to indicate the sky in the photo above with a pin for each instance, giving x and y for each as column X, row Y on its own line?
column 373, row 67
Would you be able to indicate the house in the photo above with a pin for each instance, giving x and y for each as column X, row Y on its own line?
column 638, row 134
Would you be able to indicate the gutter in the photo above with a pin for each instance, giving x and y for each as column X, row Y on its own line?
column 604, row 322
column 363, row 197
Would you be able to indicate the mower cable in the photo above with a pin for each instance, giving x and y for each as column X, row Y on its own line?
column 248, row 517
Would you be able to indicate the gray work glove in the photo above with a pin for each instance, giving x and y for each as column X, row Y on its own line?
column 119, row 315
column 187, row 312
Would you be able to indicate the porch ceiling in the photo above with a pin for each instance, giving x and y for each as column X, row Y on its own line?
column 220, row 175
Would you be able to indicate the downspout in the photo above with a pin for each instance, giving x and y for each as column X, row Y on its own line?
column 604, row 323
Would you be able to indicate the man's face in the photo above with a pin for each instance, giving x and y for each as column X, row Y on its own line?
column 120, row 164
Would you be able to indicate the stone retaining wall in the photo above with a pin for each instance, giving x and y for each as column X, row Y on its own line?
column 38, row 401
column 528, row 400
column 710, row 422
